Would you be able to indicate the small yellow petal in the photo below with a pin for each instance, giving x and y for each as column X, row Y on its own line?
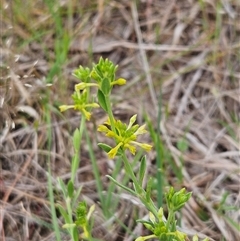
column 141, row 130
column 152, row 217
column 80, row 86
column 91, row 210
column 86, row 114
column 145, row 146
column 65, row 107
column 180, row 235
column 113, row 152
column 86, row 233
column 195, row 238
column 69, row 225
column 111, row 134
column 107, row 122
column 131, row 148
column 119, row 81
column 102, row 128
column 83, row 85
column 132, row 121
column 93, row 105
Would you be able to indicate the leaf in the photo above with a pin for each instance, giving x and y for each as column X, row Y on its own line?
column 142, row 170
column 64, row 213
column 70, row 188
column 75, row 164
column 149, row 189
column 75, row 198
column 75, row 234
column 63, row 187
column 108, row 148
column 105, row 147
column 144, row 222
column 105, row 86
column 120, row 185
column 101, row 100
column 76, row 140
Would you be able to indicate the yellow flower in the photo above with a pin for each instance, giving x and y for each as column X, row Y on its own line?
column 65, row 107
column 124, row 135
column 87, row 114
column 82, row 85
column 80, row 103
column 119, row 81
column 112, row 153
column 144, row 146
column 178, row 234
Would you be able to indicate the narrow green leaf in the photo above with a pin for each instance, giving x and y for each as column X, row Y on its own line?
column 122, row 186
column 105, row 86
column 63, row 213
column 70, row 189
column 105, row 147
column 144, row 222
column 63, row 187
column 75, row 163
column 75, row 197
column 76, row 140
column 149, row 189
column 101, row 100
column 75, row 234
column 142, row 170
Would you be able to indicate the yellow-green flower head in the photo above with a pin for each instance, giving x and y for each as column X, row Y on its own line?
column 124, row 135
column 179, row 235
column 83, row 74
column 104, row 69
column 80, row 103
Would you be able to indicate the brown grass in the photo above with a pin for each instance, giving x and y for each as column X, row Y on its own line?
column 188, row 50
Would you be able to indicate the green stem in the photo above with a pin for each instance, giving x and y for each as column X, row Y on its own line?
column 69, row 211
column 170, row 220
column 110, row 113
column 130, row 172
column 140, row 192
column 77, row 159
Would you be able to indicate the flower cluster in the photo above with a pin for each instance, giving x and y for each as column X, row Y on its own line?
column 159, row 229
column 103, row 76
column 176, row 200
column 163, row 228
column 80, row 103
column 82, row 218
column 124, row 135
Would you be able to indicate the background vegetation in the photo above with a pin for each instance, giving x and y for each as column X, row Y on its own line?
column 181, row 62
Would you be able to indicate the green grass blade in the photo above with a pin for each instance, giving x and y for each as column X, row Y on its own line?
column 96, row 174
column 49, row 177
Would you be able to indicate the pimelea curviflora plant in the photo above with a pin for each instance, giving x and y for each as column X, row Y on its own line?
column 125, row 136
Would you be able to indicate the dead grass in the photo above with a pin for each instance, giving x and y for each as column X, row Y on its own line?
column 187, row 49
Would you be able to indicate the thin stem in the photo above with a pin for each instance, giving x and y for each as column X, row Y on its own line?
column 140, row 192
column 77, row 160
column 129, row 171
column 170, row 220
column 110, row 113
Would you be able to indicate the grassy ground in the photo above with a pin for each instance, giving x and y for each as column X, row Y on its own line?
column 181, row 60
